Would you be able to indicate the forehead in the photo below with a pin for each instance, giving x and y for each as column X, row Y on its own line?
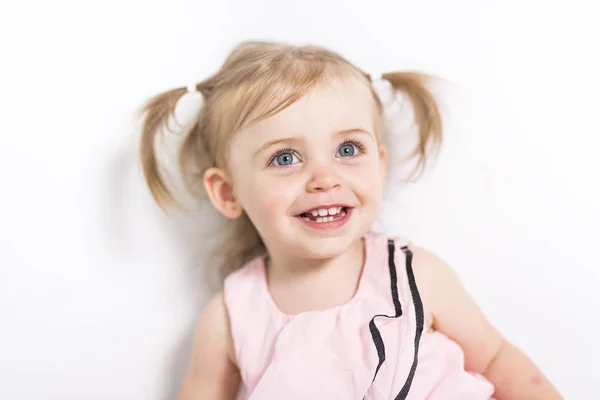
column 334, row 105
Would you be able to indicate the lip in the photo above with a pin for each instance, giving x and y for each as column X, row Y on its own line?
column 325, row 206
column 330, row 225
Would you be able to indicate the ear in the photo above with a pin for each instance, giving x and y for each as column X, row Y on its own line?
column 220, row 193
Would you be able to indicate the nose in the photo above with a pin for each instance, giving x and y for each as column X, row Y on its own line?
column 322, row 179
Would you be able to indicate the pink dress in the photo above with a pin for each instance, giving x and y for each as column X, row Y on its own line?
column 373, row 347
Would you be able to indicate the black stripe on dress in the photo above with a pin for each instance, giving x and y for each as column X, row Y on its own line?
column 419, row 320
column 375, row 334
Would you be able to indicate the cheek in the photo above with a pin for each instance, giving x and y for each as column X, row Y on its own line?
column 366, row 178
column 261, row 195
column 276, row 197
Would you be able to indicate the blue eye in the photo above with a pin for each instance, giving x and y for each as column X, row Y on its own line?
column 348, row 150
column 284, row 159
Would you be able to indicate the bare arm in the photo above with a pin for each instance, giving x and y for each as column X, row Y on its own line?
column 212, row 374
column 455, row 314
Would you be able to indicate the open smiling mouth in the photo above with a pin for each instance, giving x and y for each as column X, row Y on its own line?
column 326, row 217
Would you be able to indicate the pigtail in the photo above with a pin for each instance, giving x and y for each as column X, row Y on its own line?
column 156, row 113
column 426, row 113
column 162, row 113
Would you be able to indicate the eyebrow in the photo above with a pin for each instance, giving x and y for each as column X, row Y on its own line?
column 299, row 139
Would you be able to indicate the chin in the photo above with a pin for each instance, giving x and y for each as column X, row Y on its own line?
column 324, row 248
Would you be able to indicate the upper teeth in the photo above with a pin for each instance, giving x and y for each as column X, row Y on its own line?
column 325, row 211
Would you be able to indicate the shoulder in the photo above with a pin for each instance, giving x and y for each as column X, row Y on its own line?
column 213, row 328
column 215, row 313
column 431, row 270
column 212, row 373
column 434, row 278
column 437, row 282
column 452, row 310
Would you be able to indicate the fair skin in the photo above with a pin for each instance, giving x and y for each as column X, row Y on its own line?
column 334, row 156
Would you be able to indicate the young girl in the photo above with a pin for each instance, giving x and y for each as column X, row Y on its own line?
column 289, row 143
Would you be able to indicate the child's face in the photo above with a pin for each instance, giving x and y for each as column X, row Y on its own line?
column 320, row 153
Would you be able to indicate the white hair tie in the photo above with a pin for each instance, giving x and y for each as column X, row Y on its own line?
column 192, row 87
column 376, row 76
column 383, row 89
column 186, row 112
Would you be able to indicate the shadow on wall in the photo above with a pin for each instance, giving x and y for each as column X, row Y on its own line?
column 132, row 221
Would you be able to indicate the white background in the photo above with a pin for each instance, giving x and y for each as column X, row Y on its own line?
column 99, row 290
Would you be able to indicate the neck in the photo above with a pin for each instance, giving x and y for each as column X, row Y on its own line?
column 285, row 268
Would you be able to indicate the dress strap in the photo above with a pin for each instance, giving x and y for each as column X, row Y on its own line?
column 420, row 320
column 375, row 333
column 400, row 276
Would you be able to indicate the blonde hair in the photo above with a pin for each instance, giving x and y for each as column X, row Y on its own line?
column 257, row 80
